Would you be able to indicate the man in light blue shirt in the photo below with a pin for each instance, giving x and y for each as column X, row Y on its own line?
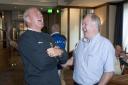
column 93, row 56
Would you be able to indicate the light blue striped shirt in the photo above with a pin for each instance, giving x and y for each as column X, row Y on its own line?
column 92, row 58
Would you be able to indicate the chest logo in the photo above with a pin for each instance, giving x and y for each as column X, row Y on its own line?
column 39, row 42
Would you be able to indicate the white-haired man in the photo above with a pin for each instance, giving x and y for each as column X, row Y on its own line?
column 38, row 52
column 93, row 56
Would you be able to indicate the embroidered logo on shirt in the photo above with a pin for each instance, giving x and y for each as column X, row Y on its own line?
column 39, row 42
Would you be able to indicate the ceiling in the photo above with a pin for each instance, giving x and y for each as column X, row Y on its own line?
column 44, row 4
column 91, row 3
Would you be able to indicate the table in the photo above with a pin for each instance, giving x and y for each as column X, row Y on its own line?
column 119, row 80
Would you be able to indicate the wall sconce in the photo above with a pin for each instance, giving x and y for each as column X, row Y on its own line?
column 102, row 20
column 2, row 15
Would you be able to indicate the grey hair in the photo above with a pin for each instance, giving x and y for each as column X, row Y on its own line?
column 95, row 19
column 26, row 14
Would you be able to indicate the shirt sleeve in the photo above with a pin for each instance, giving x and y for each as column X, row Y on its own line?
column 63, row 58
column 110, row 59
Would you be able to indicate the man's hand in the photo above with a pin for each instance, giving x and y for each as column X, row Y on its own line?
column 54, row 51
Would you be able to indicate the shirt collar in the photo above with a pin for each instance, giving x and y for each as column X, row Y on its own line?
column 95, row 37
column 29, row 29
column 85, row 40
column 33, row 30
column 90, row 40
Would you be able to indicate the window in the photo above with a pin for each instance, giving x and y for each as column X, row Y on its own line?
column 125, row 27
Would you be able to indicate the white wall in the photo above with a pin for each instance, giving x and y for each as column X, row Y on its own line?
column 64, row 18
column 74, row 22
column 64, row 24
column 101, row 12
column 107, row 31
column 112, row 14
column 74, row 27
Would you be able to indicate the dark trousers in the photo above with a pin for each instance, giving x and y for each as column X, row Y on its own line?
column 80, row 84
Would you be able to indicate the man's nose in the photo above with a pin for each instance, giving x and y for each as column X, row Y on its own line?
column 84, row 29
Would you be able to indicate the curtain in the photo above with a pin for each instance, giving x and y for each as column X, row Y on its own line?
column 118, row 25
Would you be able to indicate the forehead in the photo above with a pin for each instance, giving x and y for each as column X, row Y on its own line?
column 87, row 19
column 34, row 12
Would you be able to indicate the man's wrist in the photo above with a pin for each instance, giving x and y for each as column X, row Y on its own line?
column 61, row 52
